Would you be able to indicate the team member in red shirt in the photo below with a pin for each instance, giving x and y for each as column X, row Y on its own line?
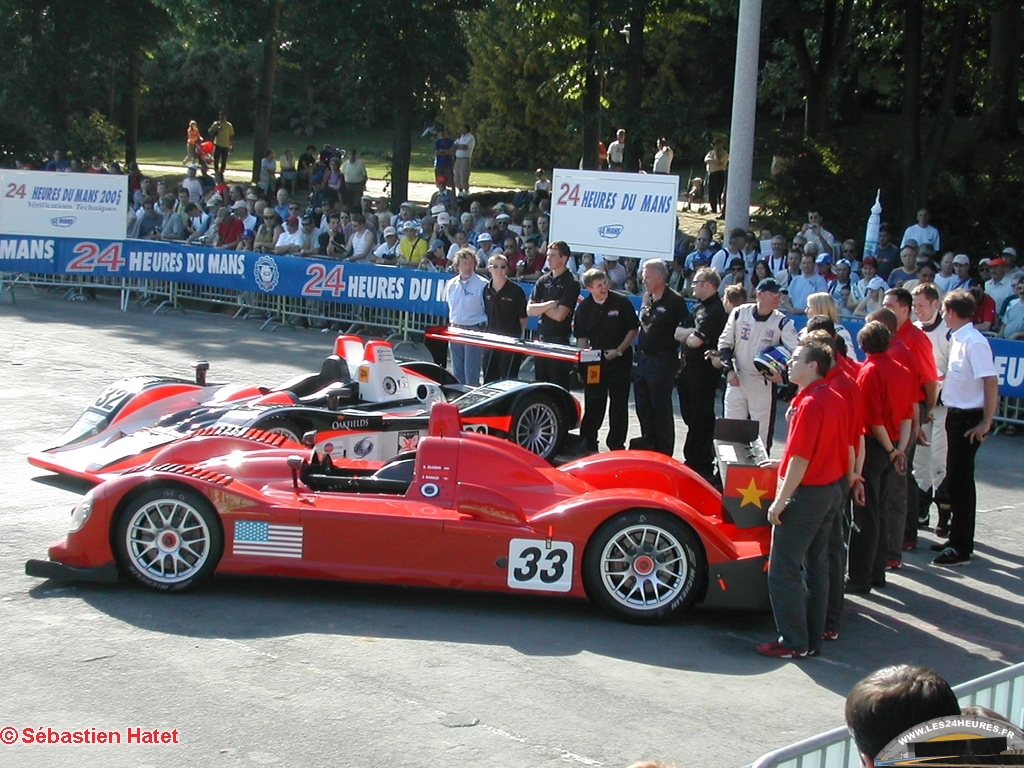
column 816, row 458
column 842, row 377
column 901, row 302
column 888, row 405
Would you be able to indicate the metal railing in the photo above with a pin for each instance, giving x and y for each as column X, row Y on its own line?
column 1002, row 691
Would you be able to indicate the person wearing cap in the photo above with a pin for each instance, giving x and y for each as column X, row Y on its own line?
column 192, row 184
column 223, row 134
column 290, row 240
column 803, row 285
column 971, row 395
column 750, row 330
column 463, row 147
column 244, row 210
column 999, row 286
column 823, row 266
column 553, row 302
column 605, row 321
column 486, row 247
column 387, row 252
column 612, row 266
column 443, row 228
column 922, row 232
column 736, row 275
column 505, row 303
column 466, row 310
column 171, row 227
column 697, row 383
column 228, row 230
column 733, row 249
column 874, row 290
column 962, row 269
column 406, row 213
column 443, row 195
column 412, row 247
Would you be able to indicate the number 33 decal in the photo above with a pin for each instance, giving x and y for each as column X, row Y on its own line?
column 533, row 564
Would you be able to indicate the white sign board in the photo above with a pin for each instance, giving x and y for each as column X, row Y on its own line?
column 47, row 203
column 626, row 214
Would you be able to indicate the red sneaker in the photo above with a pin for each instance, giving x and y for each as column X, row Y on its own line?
column 776, row 650
column 830, row 634
column 894, row 565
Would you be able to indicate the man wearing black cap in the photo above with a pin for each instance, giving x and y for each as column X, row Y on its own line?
column 697, row 383
column 750, row 330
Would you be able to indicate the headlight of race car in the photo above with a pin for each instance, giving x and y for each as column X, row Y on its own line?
column 81, row 512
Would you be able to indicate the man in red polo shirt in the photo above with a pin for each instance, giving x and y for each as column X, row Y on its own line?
column 888, row 407
column 842, row 377
column 816, row 458
column 901, row 302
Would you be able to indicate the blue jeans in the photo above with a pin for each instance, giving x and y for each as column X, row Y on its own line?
column 466, row 363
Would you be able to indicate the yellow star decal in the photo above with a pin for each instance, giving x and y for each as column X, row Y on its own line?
column 751, row 494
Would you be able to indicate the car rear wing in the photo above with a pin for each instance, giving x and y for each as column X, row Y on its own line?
column 501, row 343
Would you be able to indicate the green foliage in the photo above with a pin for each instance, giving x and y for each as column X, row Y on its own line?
column 92, row 135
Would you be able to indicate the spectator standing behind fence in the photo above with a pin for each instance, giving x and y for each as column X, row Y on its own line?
column 466, row 310
column 463, row 147
column 223, row 134
column 971, row 394
column 716, row 161
column 605, row 321
column 443, row 155
column 663, row 157
column 505, row 303
column 617, row 151
column 353, row 170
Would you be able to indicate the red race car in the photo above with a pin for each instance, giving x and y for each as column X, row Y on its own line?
column 640, row 534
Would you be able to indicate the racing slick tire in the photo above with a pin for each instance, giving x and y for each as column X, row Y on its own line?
column 538, row 425
column 169, row 539
column 644, row 566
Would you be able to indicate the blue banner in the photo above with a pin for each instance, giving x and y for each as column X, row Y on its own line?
column 1009, row 358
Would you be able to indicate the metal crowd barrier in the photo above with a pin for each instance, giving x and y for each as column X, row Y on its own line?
column 272, row 311
column 1002, row 691
column 1010, row 412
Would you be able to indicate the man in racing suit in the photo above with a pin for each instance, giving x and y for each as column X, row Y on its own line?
column 750, row 330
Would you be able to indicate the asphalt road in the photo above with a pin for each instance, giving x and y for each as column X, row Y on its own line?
column 296, row 673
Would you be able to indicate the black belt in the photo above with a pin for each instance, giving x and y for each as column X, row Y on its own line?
column 952, row 409
column 470, row 327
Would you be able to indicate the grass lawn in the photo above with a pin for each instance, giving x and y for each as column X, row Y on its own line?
column 371, row 146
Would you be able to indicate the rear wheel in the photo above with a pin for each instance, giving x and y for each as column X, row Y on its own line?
column 537, row 425
column 644, row 566
column 169, row 539
column 283, row 427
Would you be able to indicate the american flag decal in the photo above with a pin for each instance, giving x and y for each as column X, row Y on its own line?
column 267, row 539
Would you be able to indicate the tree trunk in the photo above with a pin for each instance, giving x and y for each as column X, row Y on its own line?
column 265, row 96
column 592, row 88
column 835, row 32
column 911, row 138
column 401, row 146
column 633, row 160
column 1000, row 115
column 131, row 115
column 939, row 133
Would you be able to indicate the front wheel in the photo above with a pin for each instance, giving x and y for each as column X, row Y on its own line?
column 537, row 425
column 644, row 566
column 284, row 427
column 169, row 539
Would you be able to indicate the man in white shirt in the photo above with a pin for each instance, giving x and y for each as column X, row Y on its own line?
column 192, row 184
column 466, row 309
column 289, row 241
column 999, row 287
column 464, row 146
column 922, row 232
column 971, row 394
column 617, row 151
column 663, row 157
column 815, row 233
column 802, row 286
column 720, row 261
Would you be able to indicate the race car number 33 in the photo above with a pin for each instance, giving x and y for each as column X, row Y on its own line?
column 534, row 564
